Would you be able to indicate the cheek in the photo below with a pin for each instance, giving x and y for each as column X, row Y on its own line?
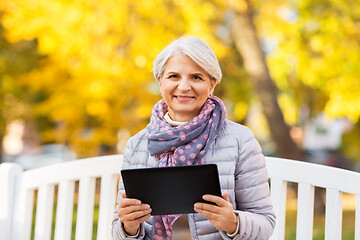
column 161, row 84
column 162, row 87
column 167, row 87
column 204, row 91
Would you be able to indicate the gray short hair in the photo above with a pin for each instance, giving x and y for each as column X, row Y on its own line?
column 195, row 48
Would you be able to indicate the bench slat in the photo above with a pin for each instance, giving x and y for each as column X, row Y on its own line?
column 357, row 218
column 85, row 212
column 278, row 198
column 44, row 210
column 107, row 205
column 280, row 172
column 64, row 210
column 333, row 214
column 23, row 215
column 10, row 174
column 305, row 211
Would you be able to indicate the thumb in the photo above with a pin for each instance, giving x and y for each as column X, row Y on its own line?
column 123, row 195
column 225, row 195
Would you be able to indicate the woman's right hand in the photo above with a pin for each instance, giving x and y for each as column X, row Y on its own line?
column 132, row 213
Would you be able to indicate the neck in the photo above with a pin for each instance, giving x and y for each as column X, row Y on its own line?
column 181, row 117
column 172, row 122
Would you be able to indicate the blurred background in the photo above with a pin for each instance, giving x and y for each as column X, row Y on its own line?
column 76, row 76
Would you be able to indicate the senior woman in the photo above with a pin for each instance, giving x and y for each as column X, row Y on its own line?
column 188, row 127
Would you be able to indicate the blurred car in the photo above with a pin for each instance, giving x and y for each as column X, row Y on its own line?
column 45, row 155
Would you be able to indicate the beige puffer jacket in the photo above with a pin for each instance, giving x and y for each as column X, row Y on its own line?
column 242, row 171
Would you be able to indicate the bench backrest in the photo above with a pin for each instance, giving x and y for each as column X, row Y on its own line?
column 64, row 176
column 336, row 181
column 15, row 222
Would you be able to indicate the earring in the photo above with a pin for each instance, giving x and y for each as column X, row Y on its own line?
column 210, row 95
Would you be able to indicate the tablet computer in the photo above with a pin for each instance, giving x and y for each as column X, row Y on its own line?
column 171, row 190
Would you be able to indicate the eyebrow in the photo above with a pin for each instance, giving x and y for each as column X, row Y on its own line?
column 193, row 74
column 171, row 73
column 198, row 74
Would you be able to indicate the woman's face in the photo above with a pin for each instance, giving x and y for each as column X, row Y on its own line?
column 185, row 87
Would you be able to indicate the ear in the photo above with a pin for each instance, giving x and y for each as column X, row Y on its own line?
column 212, row 86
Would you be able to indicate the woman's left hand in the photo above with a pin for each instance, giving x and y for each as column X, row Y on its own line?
column 221, row 215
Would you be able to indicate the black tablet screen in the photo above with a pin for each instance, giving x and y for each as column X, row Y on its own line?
column 171, row 190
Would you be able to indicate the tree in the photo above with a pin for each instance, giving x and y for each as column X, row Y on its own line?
column 95, row 78
column 248, row 45
column 314, row 58
column 15, row 59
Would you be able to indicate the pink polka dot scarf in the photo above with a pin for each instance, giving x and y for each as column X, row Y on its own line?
column 182, row 145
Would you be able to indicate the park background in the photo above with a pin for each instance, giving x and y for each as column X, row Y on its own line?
column 79, row 73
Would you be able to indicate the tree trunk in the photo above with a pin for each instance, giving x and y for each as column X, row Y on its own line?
column 247, row 44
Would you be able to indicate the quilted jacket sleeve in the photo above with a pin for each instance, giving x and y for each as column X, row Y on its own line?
column 256, row 216
column 118, row 232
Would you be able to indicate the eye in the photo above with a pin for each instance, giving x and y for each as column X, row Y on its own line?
column 197, row 77
column 173, row 76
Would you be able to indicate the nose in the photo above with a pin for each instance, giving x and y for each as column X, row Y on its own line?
column 184, row 85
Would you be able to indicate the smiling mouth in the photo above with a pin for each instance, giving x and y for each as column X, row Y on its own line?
column 184, row 98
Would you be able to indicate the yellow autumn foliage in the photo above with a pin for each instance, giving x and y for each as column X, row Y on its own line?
column 95, row 75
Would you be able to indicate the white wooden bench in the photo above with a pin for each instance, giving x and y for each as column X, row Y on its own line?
column 17, row 191
column 307, row 175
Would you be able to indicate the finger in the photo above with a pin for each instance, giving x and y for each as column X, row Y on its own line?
column 215, row 199
column 123, row 195
column 207, row 207
column 124, row 211
column 137, row 221
column 132, row 209
column 144, row 218
column 226, row 196
column 208, row 214
column 129, row 202
column 133, row 216
column 133, row 212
